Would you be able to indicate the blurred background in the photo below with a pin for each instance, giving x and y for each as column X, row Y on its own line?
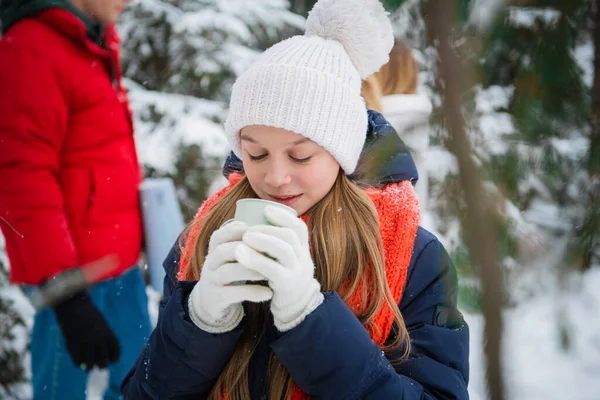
column 519, row 79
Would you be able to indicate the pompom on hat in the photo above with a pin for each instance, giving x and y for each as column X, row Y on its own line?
column 310, row 84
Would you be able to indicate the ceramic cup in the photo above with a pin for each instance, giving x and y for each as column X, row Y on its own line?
column 252, row 211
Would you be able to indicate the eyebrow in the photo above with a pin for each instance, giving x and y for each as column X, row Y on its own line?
column 249, row 139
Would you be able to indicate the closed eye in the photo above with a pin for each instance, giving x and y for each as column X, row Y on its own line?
column 257, row 158
column 300, row 160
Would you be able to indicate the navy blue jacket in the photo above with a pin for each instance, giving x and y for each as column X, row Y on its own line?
column 329, row 355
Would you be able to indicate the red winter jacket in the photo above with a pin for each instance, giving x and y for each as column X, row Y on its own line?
column 69, row 173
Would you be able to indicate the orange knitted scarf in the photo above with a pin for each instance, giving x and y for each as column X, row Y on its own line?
column 398, row 211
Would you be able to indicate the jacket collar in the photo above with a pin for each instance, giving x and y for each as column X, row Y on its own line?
column 71, row 26
column 12, row 12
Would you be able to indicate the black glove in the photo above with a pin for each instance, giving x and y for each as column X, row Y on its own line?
column 89, row 339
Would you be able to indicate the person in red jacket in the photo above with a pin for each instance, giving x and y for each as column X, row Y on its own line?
column 69, row 179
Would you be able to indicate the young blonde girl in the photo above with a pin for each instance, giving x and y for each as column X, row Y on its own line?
column 359, row 302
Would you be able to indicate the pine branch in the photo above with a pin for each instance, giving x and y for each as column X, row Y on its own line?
column 589, row 234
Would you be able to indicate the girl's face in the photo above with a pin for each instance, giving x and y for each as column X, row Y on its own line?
column 285, row 167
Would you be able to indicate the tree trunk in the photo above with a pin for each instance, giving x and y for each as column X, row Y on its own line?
column 479, row 224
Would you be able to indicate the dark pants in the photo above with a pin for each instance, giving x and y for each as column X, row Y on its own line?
column 124, row 304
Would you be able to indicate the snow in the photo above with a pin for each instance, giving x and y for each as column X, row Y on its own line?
column 483, row 12
column 584, row 55
column 547, row 215
column 20, row 333
column 492, row 124
column 177, row 45
column 237, row 17
column 536, row 365
column 217, row 184
column 493, row 98
column 164, row 120
column 19, row 303
column 526, row 17
column 493, row 128
column 440, row 163
column 573, row 148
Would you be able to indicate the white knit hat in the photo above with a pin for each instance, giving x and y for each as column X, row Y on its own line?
column 310, row 84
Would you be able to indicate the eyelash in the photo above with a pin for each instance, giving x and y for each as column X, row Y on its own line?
column 300, row 160
column 296, row 160
column 257, row 158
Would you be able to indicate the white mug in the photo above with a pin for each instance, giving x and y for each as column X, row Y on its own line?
column 252, row 211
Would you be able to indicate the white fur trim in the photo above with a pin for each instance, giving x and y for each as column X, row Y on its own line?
column 406, row 103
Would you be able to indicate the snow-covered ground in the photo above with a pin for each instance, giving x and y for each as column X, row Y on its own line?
column 536, row 365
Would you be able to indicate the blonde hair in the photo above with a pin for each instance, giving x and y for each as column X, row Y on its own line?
column 348, row 254
column 400, row 75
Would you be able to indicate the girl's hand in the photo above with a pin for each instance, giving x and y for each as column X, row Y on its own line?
column 215, row 304
column 281, row 254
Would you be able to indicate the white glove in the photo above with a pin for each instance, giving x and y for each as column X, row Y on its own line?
column 215, row 304
column 286, row 263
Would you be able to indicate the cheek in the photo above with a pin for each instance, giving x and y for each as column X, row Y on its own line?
column 254, row 175
column 318, row 180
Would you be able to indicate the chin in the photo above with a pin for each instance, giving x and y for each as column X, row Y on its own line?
column 113, row 19
column 301, row 209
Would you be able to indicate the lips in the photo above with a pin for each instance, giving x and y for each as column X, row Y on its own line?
column 286, row 200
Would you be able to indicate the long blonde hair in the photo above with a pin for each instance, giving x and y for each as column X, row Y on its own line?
column 400, row 75
column 348, row 254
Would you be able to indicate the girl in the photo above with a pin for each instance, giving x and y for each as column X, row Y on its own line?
column 359, row 302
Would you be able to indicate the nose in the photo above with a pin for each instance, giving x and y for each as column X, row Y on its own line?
column 277, row 174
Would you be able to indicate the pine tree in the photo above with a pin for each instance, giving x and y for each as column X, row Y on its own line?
column 534, row 49
column 587, row 243
column 181, row 58
column 528, row 106
column 13, row 372
column 198, row 47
